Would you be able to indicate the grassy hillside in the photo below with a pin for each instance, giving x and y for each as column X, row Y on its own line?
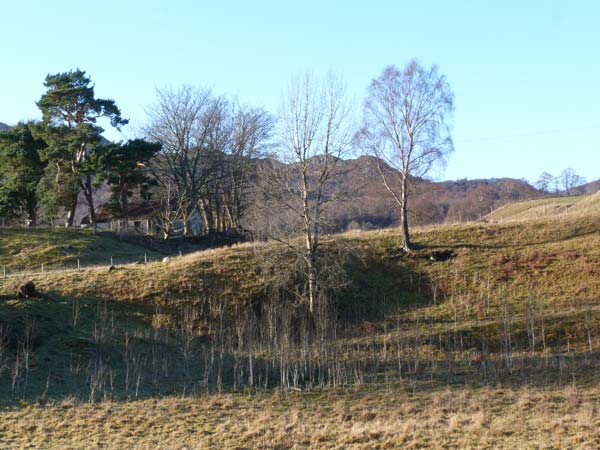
column 546, row 207
column 519, row 258
column 487, row 335
column 554, row 262
column 29, row 248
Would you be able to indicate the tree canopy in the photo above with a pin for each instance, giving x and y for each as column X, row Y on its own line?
column 406, row 126
column 21, row 170
column 70, row 112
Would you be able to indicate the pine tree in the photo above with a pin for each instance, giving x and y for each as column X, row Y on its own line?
column 124, row 168
column 70, row 113
column 21, row 170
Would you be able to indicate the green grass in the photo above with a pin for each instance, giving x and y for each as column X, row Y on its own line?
column 518, row 257
column 29, row 248
column 543, row 270
column 554, row 262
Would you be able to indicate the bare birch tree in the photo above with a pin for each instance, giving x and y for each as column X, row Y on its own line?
column 314, row 132
column 405, row 127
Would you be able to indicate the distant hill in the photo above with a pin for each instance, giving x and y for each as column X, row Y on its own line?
column 430, row 203
column 591, row 188
column 369, row 205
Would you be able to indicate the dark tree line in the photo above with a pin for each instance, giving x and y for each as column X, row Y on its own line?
column 21, row 169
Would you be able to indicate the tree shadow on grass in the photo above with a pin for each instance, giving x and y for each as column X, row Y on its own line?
column 105, row 356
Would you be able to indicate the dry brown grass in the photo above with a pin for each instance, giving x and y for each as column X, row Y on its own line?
column 25, row 249
column 556, row 260
column 546, row 207
column 375, row 418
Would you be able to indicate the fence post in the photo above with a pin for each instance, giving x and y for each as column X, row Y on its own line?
column 145, row 259
column 111, row 260
column 4, row 271
column 42, row 270
column 77, row 264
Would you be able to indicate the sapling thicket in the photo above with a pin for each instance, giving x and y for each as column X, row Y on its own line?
column 298, row 183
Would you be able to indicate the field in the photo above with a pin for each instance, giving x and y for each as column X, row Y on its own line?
column 487, row 336
column 373, row 417
column 26, row 249
column 546, row 207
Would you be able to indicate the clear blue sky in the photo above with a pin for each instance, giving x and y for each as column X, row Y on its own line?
column 526, row 75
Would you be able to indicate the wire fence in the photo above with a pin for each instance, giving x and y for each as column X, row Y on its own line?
column 77, row 265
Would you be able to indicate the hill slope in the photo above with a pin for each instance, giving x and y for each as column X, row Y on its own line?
column 519, row 256
column 431, row 202
column 475, row 303
column 546, row 207
column 592, row 187
column 366, row 203
column 57, row 248
column 487, row 336
column 242, row 272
